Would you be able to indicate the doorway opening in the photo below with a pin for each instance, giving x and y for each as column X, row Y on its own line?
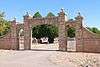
column 71, row 40
column 45, row 37
column 21, row 39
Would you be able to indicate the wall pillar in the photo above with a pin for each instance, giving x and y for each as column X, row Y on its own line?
column 79, row 33
column 27, row 33
column 62, row 32
column 14, row 40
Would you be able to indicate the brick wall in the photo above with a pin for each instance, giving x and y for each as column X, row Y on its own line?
column 5, row 41
column 10, row 40
column 91, row 41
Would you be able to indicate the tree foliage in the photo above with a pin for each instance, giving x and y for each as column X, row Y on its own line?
column 4, row 24
column 71, row 32
column 94, row 30
column 50, row 14
column 37, row 15
column 45, row 31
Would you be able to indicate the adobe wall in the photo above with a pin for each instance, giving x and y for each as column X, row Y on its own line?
column 91, row 41
column 44, row 20
column 5, row 41
column 9, row 41
column 86, row 41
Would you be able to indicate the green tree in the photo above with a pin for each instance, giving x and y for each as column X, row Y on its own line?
column 94, row 30
column 50, row 14
column 71, row 32
column 37, row 15
column 53, row 33
column 4, row 24
column 45, row 31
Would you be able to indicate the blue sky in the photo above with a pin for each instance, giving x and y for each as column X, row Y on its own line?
column 90, row 9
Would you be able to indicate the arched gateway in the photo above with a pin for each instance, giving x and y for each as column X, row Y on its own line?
column 58, row 21
column 85, row 40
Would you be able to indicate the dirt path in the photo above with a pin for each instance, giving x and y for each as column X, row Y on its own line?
column 28, row 59
column 45, row 56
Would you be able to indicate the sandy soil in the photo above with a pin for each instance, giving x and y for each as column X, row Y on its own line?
column 47, row 58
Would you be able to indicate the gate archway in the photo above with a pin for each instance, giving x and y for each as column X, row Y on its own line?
column 58, row 21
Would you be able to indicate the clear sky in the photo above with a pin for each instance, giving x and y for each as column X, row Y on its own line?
column 90, row 9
